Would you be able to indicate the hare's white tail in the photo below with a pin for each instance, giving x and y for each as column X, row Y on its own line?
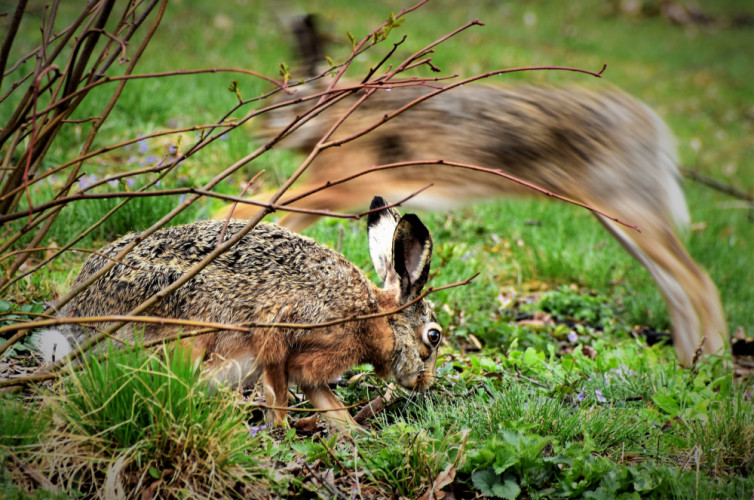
column 52, row 344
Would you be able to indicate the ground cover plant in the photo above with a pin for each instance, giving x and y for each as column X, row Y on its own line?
column 547, row 387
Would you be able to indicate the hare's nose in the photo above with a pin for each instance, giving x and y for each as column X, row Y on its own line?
column 409, row 382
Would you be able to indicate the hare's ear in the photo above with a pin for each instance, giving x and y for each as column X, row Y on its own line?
column 310, row 44
column 381, row 228
column 412, row 253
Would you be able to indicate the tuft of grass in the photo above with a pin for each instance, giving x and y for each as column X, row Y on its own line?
column 405, row 459
column 21, row 423
column 139, row 421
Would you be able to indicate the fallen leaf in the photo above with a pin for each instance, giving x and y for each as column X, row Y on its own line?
column 443, row 479
column 589, row 352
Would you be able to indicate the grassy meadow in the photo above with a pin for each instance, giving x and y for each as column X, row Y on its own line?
column 524, row 406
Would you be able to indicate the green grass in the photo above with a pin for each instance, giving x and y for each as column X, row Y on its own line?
column 134, row 420
column 543, row 410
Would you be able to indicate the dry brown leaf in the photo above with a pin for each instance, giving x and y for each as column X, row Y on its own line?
column 443, row 479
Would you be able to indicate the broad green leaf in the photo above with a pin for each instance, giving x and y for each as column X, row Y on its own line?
column 485, row 481
column 667, row 403
column 509, row 489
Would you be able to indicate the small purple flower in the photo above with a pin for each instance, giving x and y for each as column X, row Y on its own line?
column 113, row 182
column 572, row 337
column 580, row 396
column 181, row 198
column 256, row 429
column 150, row 159
column 173, row 149
column 143, row 146
column 600, row 397
column 130, row 181
column 87, row 181
column 454, row 378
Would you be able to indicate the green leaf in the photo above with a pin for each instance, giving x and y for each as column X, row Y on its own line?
column 485, row 481
column 4, row 306
column 285, row 72
column 504, row 461
column 532, row 357
column 492, row 485
column 154, row 472
column 644, row 482
column 233, row 87
column 509, row 489
column 667, row 403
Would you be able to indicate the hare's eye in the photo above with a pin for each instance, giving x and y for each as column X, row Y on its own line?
column 432, row 334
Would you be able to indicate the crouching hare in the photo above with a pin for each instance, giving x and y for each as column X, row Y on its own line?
column 275, row 276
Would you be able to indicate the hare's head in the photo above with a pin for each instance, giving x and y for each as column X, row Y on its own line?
column 401, row 249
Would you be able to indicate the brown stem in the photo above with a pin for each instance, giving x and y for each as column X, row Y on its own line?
column 10, row 36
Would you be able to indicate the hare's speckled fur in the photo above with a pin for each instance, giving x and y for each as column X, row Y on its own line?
column 274, row 275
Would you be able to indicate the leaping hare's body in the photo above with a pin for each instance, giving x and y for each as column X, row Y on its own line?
column 275, row 276
column 601, row 147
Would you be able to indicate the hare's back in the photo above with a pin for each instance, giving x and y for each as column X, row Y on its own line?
column 268, row 265
column 267, row 248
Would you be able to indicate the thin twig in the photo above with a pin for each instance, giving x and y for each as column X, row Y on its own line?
column 717, row 185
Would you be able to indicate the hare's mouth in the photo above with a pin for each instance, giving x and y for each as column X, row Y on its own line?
column 419, row 381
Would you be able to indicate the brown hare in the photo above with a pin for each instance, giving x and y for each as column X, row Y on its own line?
column 600, row 147
column 275, row 276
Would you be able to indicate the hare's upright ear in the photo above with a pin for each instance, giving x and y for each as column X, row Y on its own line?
column 381, row 229
column 310, row 44
column 412, row 253
column 401, row 249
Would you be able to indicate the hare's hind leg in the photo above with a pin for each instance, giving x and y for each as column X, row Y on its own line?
column 322, row 398
column 240, row 371
column 691, row 297
column 275, row 384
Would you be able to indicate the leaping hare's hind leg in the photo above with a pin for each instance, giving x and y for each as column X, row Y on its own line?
column 333, row 198
column 339, row 198
column 691, row 297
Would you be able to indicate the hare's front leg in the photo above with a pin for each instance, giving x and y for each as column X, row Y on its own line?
column 275, row 383
column 322, row 398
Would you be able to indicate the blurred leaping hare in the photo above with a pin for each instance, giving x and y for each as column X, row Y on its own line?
column 601, row 147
